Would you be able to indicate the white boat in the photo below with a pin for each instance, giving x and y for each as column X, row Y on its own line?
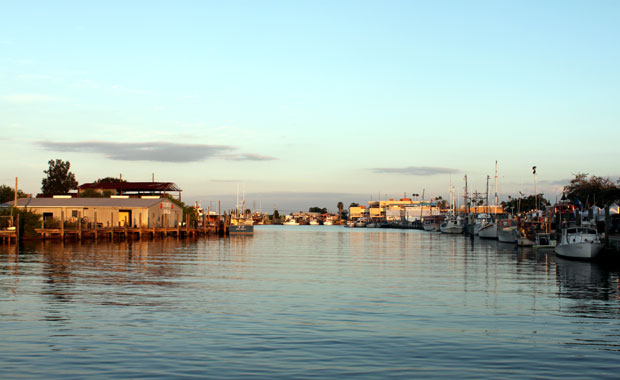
column 579, row 242
column 506, row 230
column 452, row 225
column 371, row 225
column 481, row 220
column 488, row 230
column 432, row 223
column 360, row 223
column 314, row 223
column 240, row 223
column 290, row 222
column 328, row 222
column 349, row 224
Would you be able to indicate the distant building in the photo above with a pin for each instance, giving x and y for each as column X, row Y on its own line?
column 107, row 212
column 133, row 189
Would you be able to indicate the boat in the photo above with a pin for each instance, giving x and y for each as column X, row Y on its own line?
column 506, row 230
column 314, row 222
column 240, row 224
column 544, row 241
column 432, row 223
column 360, row 223
column 489, row 225
column 488, row 230
column 579, row 243
column 481, row 220
column 290, row 222
column 328, row 222
column 241, row 227
column 522, row 239
column 452, row 224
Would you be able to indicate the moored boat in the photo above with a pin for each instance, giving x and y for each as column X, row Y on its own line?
column 452, row 225
column 506, row 230
column 241, row 227
column 488, row 230
column 579, row 243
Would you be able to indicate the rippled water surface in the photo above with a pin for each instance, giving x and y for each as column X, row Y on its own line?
column 303, row 302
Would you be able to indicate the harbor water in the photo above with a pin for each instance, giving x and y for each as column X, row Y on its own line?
column 305, row 302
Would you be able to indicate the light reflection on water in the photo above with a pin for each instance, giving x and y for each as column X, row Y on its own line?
column 305, row 302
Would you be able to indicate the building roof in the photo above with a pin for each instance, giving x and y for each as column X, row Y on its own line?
column 131, row 186
column 87, row 202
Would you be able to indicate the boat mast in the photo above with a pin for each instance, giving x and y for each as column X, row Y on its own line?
column 496, row 200
column 466, row 196
column 487, row 195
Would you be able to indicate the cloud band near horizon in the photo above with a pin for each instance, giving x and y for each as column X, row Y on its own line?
column 154, row 151
column 416, row 170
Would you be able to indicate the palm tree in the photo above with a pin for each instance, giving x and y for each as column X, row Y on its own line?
column 340, row 207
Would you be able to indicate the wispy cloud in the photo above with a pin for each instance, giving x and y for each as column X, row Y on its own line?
column 34, row 76
column 153, row 151
column 149, row 151
column 31, row 98
column 249, row 157
column 416, row 170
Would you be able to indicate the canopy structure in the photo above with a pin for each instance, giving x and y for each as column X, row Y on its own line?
column 132, row 188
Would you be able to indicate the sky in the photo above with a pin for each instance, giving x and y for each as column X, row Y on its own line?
column 308, row 103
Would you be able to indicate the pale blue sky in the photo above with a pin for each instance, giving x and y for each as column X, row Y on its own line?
column 311, row 102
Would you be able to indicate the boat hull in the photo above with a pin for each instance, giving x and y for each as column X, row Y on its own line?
column 241, row 230
column 431, row 227
column 506, row 235
column 584, row 250
column 488, row 231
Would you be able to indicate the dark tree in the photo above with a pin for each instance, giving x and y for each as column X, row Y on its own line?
column 7, row 194
column 525, row 204
column 110, row 180
column 59, row 179
column 595, row 190
column 354, row 204
column 318, row 209
column 340, row 208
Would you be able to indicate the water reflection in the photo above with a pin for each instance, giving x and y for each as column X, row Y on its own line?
column 294, row 301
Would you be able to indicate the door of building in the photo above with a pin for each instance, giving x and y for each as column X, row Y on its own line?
column 124, row 218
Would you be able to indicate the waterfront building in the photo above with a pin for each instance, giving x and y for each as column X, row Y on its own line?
column 106, row 212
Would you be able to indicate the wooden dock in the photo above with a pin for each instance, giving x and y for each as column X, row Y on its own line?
column 8, row 236
column 124, row 233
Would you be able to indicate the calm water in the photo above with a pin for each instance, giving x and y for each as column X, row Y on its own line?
column 306, row 302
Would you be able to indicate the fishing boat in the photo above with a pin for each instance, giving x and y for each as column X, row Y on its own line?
column 432, row 223
column 240, row 223
column 506, row 230
column 522, row 239
column 360, row 223
column 481, row 220
column 452, row 225
column 488, row 230
column 544, row 241
column 579, row 243
column 241, row 227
